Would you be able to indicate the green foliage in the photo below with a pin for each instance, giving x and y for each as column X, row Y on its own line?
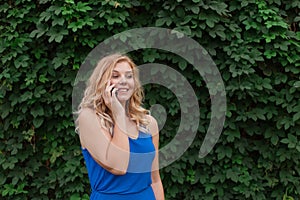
column 255, row 45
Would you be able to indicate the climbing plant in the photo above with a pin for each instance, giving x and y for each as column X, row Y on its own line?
column 255, row 44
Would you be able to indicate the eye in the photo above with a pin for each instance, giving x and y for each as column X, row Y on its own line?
column 129, row 76
column 114, row 76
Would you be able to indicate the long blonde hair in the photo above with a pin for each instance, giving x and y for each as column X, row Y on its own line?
column 96, row 87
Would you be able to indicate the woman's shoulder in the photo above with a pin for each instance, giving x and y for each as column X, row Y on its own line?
column 85, row 113
column 86, row 110
column 152, row 126
column 150, row 118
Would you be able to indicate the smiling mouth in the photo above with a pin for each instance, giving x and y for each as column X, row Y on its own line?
column 122, row 90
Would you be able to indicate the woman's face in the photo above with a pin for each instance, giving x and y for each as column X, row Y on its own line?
column 122, row 77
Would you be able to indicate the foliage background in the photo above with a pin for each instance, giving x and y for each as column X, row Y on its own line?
column 254, row 43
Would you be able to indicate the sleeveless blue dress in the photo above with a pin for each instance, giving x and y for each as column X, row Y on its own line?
column 135, row 184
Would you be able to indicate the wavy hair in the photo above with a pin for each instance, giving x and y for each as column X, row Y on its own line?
column 96, row 87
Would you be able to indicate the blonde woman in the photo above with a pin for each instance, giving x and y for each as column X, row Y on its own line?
column 119, row 139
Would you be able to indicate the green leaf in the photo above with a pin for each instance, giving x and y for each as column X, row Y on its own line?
column 37, row 111
column 21, row 61
column 195, row 10
column 5, row 109
column 180, row 12
column 296, row 117
column 269, row 54
column 210, row 22
column 37, row 122
column 182, row 64
column 209, row 187
column 234, row 176
column 83, row 7
column 160, row 22
column 27, row 95
column 297, row 84
column 274, row 139
column 58, row 21
column 45, row 16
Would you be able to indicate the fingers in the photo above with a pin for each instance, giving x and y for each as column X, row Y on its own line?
column 108, row 88
column 108, row 93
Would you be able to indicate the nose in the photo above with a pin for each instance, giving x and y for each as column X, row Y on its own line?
column 122, row 80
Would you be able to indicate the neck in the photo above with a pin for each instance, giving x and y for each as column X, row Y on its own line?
column 125, row 105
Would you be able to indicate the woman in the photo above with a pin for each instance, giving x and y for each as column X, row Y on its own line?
column 119, row 139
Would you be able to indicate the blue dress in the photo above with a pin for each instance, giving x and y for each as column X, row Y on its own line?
column 135, row 184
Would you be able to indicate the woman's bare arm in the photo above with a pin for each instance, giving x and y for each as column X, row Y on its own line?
column 110, row 152
column 157, row 186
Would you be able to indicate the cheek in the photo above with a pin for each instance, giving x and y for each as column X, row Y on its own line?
column 113, row 81
column 131, row 83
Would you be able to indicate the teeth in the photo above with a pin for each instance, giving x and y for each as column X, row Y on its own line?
column 123, row 90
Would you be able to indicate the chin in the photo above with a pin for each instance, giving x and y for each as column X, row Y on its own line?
column 123, row 99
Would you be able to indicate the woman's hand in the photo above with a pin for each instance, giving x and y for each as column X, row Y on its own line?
column 118, row 111
column 111, row 100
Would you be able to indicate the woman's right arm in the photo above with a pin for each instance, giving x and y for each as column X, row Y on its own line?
column 112, row 153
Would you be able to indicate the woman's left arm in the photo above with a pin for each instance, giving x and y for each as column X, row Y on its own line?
column 157, row 186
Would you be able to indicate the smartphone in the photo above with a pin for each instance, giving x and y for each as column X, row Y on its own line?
column 112, row 90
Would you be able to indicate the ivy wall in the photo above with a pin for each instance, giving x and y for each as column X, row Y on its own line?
column 254, row 43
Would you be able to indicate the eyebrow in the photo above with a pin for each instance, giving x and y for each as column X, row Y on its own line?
column 125, row 72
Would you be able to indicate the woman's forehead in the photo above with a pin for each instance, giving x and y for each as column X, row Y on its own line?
column 122, row 67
